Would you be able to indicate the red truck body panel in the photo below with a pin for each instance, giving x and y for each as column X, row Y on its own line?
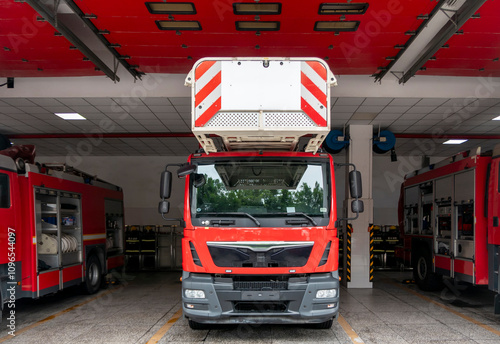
column 21, row 216
column 482, row 180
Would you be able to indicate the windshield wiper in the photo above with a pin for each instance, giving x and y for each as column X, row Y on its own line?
column 234, row 214
column 296, row 214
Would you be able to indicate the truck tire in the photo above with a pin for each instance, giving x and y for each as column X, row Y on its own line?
column 324, row 325
column 196, row 325
column 93, row 275
column 422, row 271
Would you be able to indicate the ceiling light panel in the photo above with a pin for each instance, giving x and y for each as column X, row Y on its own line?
column 171, row 7
column 178, row 25
column 454, row 142
column 70, row 116
column 342, row 8
column 257, row 8
column 336, row 26
column 257, row 25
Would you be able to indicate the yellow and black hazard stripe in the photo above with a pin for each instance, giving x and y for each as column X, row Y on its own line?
column 348, row 253
column 370, row 229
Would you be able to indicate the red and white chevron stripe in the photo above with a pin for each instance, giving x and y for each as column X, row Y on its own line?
column 207, row 91
column 313, row 91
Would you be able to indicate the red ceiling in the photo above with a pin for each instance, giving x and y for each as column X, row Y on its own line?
column 473, row 50
column 29, row 48
column 131, row 25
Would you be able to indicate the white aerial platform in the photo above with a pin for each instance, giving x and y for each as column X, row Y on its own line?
column 260, row 103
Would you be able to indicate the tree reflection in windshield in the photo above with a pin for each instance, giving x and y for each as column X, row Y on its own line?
column 302, row 192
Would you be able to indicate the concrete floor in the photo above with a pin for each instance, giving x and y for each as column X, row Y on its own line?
column 147, row 303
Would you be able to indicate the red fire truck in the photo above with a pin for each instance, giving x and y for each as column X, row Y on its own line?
column 448, row 217
column 58, row 227
column 260, row 240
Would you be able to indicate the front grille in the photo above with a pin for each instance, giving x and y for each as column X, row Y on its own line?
column 260, row 285
column 261, row 307
column 248, row 256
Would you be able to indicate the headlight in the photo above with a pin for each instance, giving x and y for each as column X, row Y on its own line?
column 326, row 293
column 194, row 294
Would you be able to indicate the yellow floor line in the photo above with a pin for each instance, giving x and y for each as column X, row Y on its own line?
column 164, row 329
column 349, row 331
column 53, row 316
column 463, row 316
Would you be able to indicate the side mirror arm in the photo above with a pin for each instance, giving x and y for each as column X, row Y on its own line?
column 165, row 189
column 355, row 187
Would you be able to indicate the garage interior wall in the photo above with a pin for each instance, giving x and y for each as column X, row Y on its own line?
column 139, row 176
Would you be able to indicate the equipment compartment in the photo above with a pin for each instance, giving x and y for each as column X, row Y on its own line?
column 114, row 227
column 58, row 230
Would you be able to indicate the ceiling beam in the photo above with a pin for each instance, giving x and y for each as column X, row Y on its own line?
column 51, row 17
column 403, row 50
column 450, row 28
column 445, row 20
column 74, row 7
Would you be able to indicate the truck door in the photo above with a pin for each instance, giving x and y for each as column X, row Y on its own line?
column 7, row 224
column 494, row 203
column 464, row 226
column 494, row 227
column 7, row 215
column 443, row 248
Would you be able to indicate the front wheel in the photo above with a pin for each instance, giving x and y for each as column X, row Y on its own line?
column 93, row 275
column 196, row 325
column 324, row 325
column 422, row 272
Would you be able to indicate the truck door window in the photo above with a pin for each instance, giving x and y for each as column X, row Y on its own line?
column 4, row 191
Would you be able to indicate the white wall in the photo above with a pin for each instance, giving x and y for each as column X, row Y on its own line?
column 140, row 179
column 386, row 183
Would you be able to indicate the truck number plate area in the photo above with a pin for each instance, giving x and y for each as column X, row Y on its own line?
column 260, row 295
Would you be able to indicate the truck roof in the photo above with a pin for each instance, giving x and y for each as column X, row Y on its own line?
column 21, row 159
column 450, row 160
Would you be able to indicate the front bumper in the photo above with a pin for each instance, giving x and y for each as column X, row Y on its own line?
column 223, row 304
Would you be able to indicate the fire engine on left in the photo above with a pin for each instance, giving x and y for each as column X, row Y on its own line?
column 59, row 227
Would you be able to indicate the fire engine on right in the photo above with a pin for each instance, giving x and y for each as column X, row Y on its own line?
column 449, row 220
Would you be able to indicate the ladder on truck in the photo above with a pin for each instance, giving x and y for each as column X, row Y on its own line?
column 65, row 171
column 260, row 103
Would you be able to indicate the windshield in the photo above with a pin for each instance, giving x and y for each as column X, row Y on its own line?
column 261, row 188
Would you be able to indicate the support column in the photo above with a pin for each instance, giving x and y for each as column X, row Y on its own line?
column 359, row 153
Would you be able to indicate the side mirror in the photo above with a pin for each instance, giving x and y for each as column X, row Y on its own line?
column 355, row 184
column 357, row 206
column 186, row 170
column 163, row 207
column 165, row 184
